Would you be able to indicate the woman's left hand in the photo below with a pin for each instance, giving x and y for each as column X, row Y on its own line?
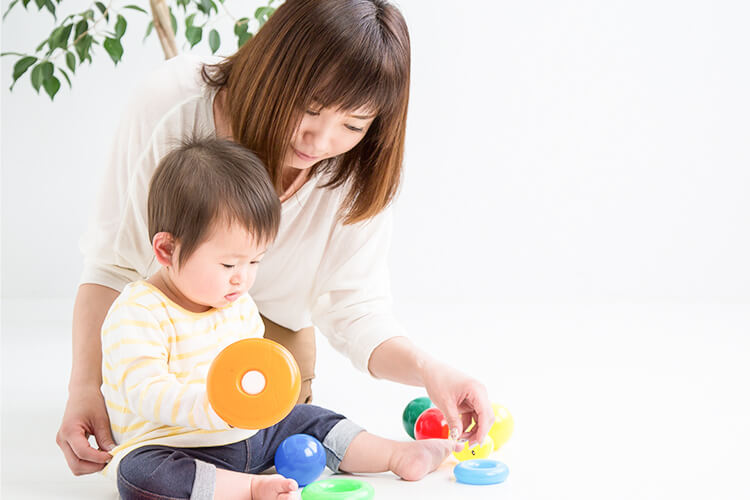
column 461, row 399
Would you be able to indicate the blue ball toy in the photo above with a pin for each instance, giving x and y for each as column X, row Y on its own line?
column 300, row 457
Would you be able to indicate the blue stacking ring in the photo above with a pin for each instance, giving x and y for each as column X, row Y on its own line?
column 481, row 471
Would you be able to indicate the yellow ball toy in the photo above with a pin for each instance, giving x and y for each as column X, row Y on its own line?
column 477, row 451
column 502, row 428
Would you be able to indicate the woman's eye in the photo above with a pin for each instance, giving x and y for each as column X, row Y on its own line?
column 312, row 112
column 354, row 129
column 228, row 266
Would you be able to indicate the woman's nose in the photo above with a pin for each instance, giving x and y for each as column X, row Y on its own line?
column 317, row 139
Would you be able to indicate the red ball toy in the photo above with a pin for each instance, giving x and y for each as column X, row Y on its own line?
column 431, row 424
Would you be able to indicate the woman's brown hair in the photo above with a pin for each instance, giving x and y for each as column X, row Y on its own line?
column 346, row 54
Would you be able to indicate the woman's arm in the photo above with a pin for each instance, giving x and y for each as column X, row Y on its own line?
column 354, row 311
column 398, row 359
column 85, row 413
column 460, row 397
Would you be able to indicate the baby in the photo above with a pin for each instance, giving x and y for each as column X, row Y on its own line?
column 212, row 213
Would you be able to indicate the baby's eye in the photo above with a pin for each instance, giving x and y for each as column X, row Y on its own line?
column 228, row 266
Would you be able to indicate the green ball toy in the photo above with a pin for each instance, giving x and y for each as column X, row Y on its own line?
column 412, row 412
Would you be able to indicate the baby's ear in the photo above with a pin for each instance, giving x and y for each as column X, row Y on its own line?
column 165, row 247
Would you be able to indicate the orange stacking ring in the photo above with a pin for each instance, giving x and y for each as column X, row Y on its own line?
column 274, row 398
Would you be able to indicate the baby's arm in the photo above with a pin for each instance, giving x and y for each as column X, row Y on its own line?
column 135, row 373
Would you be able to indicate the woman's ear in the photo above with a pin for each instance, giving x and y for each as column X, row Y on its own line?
column 165, row 248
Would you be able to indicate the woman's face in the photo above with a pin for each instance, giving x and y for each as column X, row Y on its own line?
column 326, row 132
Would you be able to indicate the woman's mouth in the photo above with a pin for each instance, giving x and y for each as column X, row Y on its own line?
column 303, row 156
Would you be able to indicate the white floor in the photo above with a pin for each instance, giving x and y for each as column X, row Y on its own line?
column 610, row 401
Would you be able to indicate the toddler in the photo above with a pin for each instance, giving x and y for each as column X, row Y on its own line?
column 212, row 213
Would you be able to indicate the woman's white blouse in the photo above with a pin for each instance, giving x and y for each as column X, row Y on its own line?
column 318, row 271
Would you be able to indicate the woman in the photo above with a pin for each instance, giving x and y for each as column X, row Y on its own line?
column 320, row 94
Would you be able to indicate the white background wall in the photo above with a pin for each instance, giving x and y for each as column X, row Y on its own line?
column 566, row 151
column 570, row 152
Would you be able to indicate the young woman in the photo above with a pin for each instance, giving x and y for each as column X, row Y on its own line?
column 321, row 95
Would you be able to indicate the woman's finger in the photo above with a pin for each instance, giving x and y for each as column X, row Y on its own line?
column 77, row 466
column 83, row 450
column 485, row 417
column 103, row 435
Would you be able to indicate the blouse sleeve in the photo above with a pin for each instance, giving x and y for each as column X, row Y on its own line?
column 353, row 305
column 116, row 246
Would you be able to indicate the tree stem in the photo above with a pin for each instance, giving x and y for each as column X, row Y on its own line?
column 163, row 27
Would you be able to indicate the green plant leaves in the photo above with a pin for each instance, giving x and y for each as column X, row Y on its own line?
column 262, row 14
column 51, row 86
column 103, row 9
column 59, row 38
column 241, row 29
column 41, row 73
column 44, row 4
column 82, row 40
column 11, row 5
column 194, row 34
column 113, row 48
column 214, row 41
column 67, row 78
column 21, row 66
column 83, row 47
column 72, row 39
column 206, row 6
column 70, row 60
column 47, row 68
column 135, row 7
column 120, row 26
column 149, row 29
column 81, row 28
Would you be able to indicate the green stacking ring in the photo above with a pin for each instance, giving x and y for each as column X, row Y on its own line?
column 338, row 489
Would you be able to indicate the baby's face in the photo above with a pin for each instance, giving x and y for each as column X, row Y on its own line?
column 221, row 269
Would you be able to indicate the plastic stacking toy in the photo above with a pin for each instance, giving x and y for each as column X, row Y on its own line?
column 300, row 457
column 482, row 471
column 412, row 411
column 431, row 424
column 253, row 383
column 338, row 489
column 503, row 427
column 477, row 451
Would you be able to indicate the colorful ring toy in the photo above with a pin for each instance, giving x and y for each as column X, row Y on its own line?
column 338, row 489
column 481, row 471
column 253, row 383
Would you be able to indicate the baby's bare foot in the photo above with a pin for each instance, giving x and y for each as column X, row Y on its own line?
column 274, row 487
column 413, row 460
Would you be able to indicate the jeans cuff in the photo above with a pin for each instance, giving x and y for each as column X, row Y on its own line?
column 205, row 481
column 337, row 441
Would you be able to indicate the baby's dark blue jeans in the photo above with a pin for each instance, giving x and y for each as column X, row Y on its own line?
column 168, row 473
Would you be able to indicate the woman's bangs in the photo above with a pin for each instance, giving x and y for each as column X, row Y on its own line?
column 348, row 87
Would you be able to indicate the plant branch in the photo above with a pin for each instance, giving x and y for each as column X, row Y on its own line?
column 163, row 27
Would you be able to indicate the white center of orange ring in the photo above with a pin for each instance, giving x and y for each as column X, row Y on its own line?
column 253, row 382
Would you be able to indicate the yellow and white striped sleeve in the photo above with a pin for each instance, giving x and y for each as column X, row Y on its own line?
column 135, row 359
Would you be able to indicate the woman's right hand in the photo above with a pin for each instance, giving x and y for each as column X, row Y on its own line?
column 85, row 415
